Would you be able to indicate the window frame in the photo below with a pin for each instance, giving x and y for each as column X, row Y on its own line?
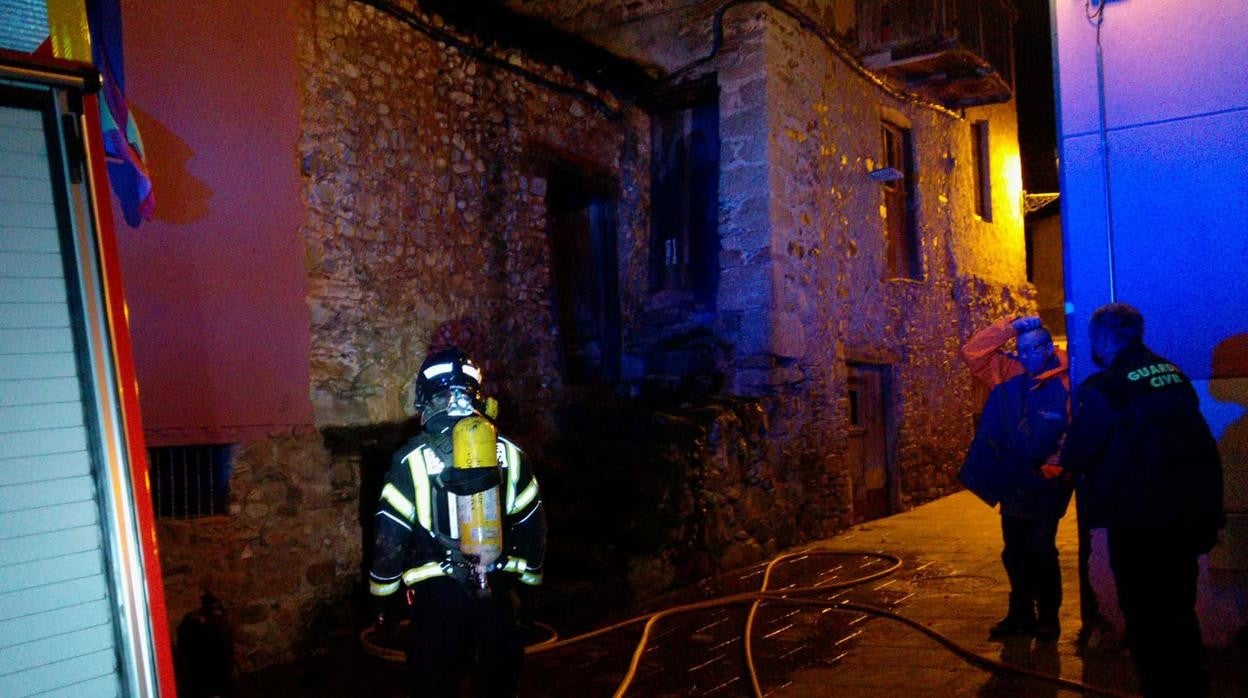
column 903, row 244
column 981, row 162
column 685, row 260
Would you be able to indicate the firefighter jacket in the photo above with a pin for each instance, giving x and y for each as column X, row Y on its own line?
column 1146, row 455
column 417, row 536
column 1022, row 425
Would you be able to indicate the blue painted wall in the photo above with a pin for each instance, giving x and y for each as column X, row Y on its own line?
column 1176, row 106
column 1154, row 176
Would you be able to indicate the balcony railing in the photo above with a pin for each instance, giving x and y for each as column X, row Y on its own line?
column 959, row 52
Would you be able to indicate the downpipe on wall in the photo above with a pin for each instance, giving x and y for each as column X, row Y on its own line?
column 1094, row 10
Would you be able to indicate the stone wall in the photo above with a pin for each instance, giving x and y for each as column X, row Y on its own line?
column 746, row 292
column 425, row 177
column 427, row 168
column 284, row 559
column 657, row 496
column 810, row 248
column 426, row 173
column 803, row 291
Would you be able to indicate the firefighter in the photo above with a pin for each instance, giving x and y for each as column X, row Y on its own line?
column 459, row 525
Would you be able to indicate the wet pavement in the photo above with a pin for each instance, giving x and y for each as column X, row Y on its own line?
column 949, row 581
column 700, row 652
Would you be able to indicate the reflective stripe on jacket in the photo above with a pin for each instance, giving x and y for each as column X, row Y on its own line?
column 417, row 529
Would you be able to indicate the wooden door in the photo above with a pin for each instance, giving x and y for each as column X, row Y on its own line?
column 868, row 441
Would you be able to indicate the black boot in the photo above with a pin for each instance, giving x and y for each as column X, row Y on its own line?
column 1095, row 631
column 1011, row 626
column 1021, row 620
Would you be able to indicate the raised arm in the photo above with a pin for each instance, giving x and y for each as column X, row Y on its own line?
column 983, row 355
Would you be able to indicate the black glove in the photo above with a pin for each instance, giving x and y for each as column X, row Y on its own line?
column 500, row 564
column 456, row 567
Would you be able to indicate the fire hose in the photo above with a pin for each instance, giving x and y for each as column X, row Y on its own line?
column 791, row 596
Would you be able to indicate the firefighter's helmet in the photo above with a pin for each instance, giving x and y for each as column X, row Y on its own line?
column 452, row 374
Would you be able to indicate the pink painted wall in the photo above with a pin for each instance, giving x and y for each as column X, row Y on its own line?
column 216, row 283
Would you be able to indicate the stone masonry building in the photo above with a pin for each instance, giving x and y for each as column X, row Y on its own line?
column 716, row 259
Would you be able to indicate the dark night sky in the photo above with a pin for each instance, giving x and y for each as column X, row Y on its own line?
column 1033, row 69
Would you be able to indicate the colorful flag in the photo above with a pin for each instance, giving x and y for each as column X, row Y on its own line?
column 127, row 168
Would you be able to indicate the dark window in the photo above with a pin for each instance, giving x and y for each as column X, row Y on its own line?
column 190, row 481
column 982, row 159
column 899, row 204
column 684, row 196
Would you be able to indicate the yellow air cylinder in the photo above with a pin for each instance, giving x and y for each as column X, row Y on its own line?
column 474, row 442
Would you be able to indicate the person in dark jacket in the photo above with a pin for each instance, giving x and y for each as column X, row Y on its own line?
column 1152, row 477
column 1013, row 461
column 462, row 610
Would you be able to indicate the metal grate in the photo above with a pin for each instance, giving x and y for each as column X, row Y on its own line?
column 191, row 481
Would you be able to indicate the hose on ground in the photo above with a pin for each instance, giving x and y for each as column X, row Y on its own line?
column 791, row 596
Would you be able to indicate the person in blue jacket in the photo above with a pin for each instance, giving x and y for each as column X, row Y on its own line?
column 1013, row 462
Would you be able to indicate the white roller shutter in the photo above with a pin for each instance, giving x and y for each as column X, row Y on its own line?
column 58, row 633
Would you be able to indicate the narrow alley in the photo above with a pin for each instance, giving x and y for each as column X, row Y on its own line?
column 950, row 580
